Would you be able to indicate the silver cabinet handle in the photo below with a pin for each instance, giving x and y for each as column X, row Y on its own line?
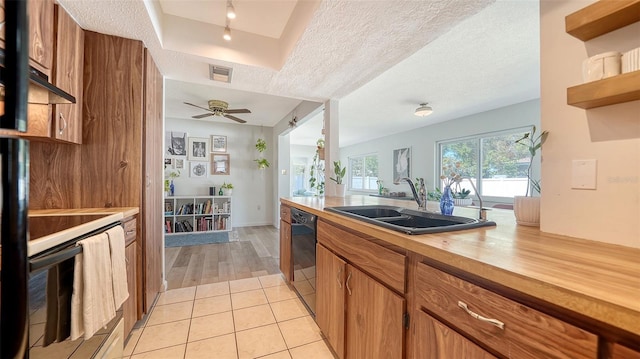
column 347, row 283
column 63, row 124
column 131, row 231
column 338, row 278
column 495, row 322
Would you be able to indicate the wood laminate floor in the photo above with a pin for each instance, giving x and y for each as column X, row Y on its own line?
column 254, row 254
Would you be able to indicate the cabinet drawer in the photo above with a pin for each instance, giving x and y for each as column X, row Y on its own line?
column 384, row 264
column 130, row 231
column 285, row 213
column 527, row 333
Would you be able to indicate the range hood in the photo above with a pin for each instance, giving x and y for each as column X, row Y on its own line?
column 40, row 90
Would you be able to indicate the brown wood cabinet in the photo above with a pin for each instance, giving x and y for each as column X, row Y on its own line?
column 286, row 261
column 67, row 75
column 330, row 298
column 121, row 151
column 41, row 30
column 130, row 306
column 622, row 352
column 360, row 315
column 434, row 340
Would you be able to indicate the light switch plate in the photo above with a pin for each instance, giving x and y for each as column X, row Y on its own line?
column 583, row 174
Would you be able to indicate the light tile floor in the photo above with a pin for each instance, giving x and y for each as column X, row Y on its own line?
column 248, row 318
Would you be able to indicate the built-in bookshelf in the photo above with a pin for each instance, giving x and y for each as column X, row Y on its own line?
column 197, row 214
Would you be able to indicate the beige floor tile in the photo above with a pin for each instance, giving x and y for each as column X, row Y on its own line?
column 211, row 326
column 176, row 352
column 315, row 350
column 252, row 317
column 222, row 347
column 243, row 285
column 162, row 336
column 273, row 280
column 280, row 355
column 211, row 305
column 283, row 292
column 300, row 331
column 259, row 341
column 211, row 290
column 248, row 299
column 133, row 340
column 170, row 313
column 309, row 272
column 304, row 287
column 176, row 295
column 288, row 309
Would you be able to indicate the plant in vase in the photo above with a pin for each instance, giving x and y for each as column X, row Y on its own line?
column 227, row 188
column 339, row 173
column 169, row 188
column 461, row 196
column 527, row 208
column 316, row 173
column 449, row 178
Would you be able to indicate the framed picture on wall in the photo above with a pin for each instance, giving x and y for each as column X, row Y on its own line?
column 198, row 169
column 198, row 149
column 401, row 164
column 218, row 143
column 220, row 164
column 176, row 143
column 178, row 163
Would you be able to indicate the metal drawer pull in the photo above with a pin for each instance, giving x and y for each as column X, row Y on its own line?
column 338, row 278
column 131, row 231
column 495, row 322
column 347, row 283
column 63, row 124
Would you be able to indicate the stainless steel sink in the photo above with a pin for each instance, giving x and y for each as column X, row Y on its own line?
column 407, row 220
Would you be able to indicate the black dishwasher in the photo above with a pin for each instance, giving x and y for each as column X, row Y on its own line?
column 303, row 243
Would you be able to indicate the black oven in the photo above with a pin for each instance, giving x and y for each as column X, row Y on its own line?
column 303, row 243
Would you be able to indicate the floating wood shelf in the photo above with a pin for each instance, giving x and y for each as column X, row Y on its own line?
column 610, row 91
column 602, row 17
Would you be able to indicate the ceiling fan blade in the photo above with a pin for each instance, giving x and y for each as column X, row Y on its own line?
column 238, row 110
column 203, row 115
column 235, row 118
column 202, row 108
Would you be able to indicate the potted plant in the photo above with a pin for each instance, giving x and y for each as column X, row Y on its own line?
column 169, row 188
column 316, row 174
column 339, row 173
column 527, row 208
column 262, row 163
column 261, row 146
column 320, row 148
column 461, row 196
column 227, row 188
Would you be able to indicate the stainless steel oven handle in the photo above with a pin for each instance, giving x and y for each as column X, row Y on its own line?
column 338, row 278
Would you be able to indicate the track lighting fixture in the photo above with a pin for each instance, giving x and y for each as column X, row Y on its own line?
column 227, row 33
column 231, row 11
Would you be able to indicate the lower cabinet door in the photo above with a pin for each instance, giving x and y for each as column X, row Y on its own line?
column 130, row 306
column 434, row 340
column 374, row 318
column 286, row 262
column 330, row 274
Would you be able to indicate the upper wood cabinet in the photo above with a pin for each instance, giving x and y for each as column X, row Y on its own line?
column 592, row 21
column 41, row 34
column 68, row 75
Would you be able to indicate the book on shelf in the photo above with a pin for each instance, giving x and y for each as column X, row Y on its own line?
column 167, row 227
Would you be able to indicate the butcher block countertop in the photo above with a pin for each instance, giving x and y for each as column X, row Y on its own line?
column 598, row 280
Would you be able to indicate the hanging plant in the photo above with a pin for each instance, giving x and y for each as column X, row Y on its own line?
column 261, row 145
column 262, row 163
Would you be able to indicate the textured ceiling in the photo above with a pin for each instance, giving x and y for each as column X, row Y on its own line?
column 381, row 58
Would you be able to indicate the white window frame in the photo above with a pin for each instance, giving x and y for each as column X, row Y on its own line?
column 363, row 157
column 478, row 180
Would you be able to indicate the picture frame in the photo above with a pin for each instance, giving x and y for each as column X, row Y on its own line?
column 168, row 162
column 178, row 163
column 198, row 149
column 401, row 164
column 220, row 164
column 218, row 143
column 198, row 169
column 175, row 143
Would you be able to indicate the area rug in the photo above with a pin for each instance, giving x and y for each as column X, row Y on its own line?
column 194, row 239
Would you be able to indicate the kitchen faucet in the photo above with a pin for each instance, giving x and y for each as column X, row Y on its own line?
column 420, row 195
column 482, row 216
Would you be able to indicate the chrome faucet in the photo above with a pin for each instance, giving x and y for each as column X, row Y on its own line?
column 482, row 216
column 420, row 195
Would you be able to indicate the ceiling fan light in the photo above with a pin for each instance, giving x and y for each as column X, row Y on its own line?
column 423, row 110
column 231, row 11
column 227, row 33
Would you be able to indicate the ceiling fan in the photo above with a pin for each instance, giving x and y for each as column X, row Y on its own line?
column 220, row 108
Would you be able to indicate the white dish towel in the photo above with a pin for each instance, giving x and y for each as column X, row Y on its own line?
column 92, row 303
column 118, row 265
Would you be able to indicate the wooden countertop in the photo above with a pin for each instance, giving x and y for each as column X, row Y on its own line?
column 598, row 280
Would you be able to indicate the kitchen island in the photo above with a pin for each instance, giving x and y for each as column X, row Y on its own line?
column 593, row 286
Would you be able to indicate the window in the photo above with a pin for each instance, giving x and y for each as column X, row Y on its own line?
column 363, row 173
column 493, row 161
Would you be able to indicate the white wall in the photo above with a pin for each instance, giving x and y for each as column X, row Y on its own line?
column 423, row 140
column 610, row 135
column 253, row 198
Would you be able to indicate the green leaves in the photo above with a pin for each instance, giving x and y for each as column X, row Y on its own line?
column 339, row 172
column 533, row 145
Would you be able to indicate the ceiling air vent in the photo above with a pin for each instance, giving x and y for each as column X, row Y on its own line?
column 220, row 73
